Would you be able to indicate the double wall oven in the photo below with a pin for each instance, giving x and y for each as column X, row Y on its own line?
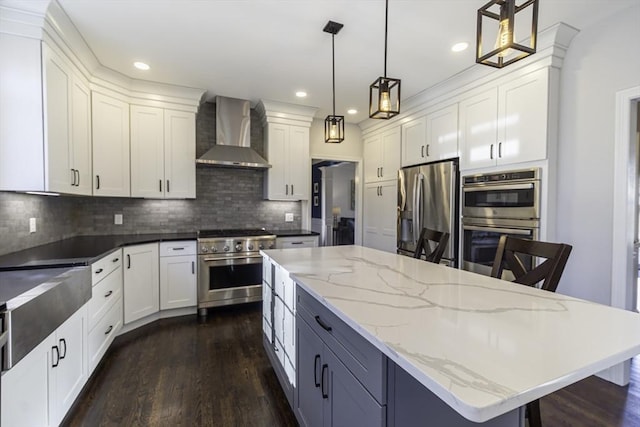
column 496, row 204
column 230, row 266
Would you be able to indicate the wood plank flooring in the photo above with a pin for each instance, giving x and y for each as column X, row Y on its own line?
column 177, row 372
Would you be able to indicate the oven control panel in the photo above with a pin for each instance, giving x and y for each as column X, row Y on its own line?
column 224, row 246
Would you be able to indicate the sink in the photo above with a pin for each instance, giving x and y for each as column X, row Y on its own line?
column 38, row 301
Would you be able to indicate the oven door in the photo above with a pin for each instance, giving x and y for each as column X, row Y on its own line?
column 480, row 239
column 517, row 200
column 232, row 280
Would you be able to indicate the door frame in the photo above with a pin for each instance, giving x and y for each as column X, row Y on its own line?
column 623, row 272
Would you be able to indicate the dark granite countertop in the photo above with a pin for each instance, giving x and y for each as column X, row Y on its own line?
column 80, row 250
column 294, row 233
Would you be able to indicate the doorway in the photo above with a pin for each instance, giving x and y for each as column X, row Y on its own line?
column 333, row 204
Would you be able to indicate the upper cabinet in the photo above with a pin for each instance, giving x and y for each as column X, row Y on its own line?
column 506, row 124
column 382, row 155
column 286, row 142
column 431, row 137
column 110, row 128
column 163, row 153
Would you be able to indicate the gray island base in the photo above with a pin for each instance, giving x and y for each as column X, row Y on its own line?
column 360, row 337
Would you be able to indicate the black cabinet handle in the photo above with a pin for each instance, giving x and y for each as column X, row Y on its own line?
column 109, row 329
column 73, row 177
column 97, row 182
column 57, row 350
column 160, row 181
column 427, row 150
column 98, row 271
column 168, row 190
column 108, row 294
column 491, row 152
column 178, row 249
column 128, row 261
column 63, row 344
column 297, row 243
column 324, row 325
column 325, row 395
column 499, row 149
column 292, row 189
column 115, row 260
column 315, row 370
column 78, row 177
column 193, row 267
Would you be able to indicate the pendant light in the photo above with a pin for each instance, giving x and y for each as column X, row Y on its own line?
column 384, row 93
column 503, row 14
column 333, row 125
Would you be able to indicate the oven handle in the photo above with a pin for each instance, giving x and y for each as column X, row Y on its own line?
column 491, row 187
column 499, row 230
column 234, row 257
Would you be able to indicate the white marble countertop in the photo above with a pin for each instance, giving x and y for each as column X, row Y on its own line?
column 482, row 345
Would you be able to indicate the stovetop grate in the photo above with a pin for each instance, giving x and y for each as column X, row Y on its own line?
column 232, row 233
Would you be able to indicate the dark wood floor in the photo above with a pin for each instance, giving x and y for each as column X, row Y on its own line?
column 177, row 372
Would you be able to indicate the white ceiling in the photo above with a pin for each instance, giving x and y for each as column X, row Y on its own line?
column 269, row 49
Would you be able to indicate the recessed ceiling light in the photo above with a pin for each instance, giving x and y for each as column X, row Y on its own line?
column 301, row 94
column 352, row 111
column 459, row 47
column 141, row 66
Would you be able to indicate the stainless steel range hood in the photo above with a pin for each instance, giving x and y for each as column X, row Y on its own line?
column 233, row 138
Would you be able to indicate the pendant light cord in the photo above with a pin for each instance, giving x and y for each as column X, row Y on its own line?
column 386, row 19
column 333, row 61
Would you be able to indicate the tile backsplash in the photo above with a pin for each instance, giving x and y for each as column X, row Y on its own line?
column 225, row 198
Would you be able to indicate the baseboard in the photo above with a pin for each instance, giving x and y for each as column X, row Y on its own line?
column 163, row 314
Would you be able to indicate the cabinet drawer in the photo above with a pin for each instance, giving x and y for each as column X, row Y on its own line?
column 104, row 295
column 183, row 247
column 363, row 360
column 296, row 242
column 105, row 265
column 103, row 334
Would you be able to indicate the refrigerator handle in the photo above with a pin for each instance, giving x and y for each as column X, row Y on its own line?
column 418, row 205
column 414, row 217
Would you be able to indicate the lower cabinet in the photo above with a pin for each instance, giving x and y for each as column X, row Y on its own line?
column 40, row 389
column 178, row 274
column 380, row 215
column 141, row 281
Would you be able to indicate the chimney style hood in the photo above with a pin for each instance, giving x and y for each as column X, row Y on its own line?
column 233, row 138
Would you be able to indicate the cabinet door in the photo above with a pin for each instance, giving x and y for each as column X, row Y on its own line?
column 388, row 214
column 414, row 139
column 522, row 108
column 25, row 388
column 277, row 142
column 390, row 154
column 478, row 130
column 177, row 282
column 442, row 134
column 81, row 135
column 70, row 374
column 110, row 133
column 309, row 402
column 350, row 404
column 179, row 154
column 57, row 86
column 372, row 158
column 299, row 167
column 371, row 216
column 141, row 287
column 147, row 152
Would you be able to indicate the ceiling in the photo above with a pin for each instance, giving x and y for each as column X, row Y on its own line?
column 269, row 49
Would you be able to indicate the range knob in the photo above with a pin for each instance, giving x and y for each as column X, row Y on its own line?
column 204, row 249
column 214, row 249
column 250, row 246
column 238, row 247
column 272, row 245
column 226, row 248
column 261, row 246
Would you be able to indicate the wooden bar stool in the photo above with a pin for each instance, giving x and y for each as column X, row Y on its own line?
column 441, row 239
column 509, row 256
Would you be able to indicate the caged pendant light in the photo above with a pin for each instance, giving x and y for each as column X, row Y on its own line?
column 333, row 125
column 504, row 13
column 384, row 93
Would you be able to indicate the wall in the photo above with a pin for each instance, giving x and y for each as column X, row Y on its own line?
column 350, row 148
column 225, row 198
column 342, row 177
column 601, row 60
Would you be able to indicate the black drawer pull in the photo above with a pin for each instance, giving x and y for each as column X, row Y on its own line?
column 315, row 370
column 325, row 395
column 108, row 294
column 324, row 325
column 57, row 350
column 115, row 260
column 178, row 249
column 63, row 344
column 109, row 330
column 98, row 271
column 297, row 243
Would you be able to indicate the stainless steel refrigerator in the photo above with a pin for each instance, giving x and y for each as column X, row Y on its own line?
column 428, row 197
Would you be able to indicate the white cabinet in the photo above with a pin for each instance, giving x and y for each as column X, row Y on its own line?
column 382, row 156
column 414, row 140
column 141, row 281
column 40, row 389
column 296, row 242
column 432, row 137
column 287, row 150
column 178, row 279
column 110, row 130
column 380, row 207
column 506, row 124
column 162, row 153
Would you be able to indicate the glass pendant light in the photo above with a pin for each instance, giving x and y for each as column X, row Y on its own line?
column 505, row 50
column 333, row 125
column 384, row 93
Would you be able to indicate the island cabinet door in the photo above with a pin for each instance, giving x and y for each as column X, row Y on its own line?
column 309, row 404
column 349, row 403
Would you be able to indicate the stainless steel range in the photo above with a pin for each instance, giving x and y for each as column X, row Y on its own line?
column 230, row 266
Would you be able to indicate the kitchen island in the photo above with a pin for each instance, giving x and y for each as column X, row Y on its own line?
column 483, row 346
